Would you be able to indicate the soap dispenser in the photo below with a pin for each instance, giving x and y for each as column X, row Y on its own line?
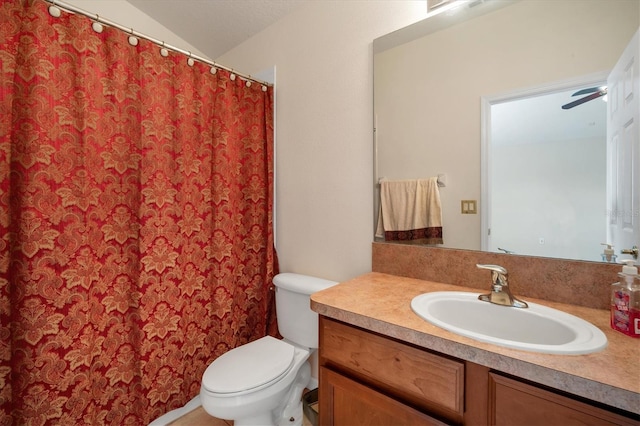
column 608, row 255
column 625, row 301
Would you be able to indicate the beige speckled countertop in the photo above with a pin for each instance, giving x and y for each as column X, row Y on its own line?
column 381, row 303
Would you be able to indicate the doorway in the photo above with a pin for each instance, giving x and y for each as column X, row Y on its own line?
column 544, row 172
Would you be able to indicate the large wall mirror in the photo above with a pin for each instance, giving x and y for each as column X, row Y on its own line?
column 518, row 61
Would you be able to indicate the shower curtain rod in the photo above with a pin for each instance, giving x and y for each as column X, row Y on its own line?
column 94, row 16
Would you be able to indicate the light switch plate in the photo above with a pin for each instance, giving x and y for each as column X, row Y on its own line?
column 469, row 206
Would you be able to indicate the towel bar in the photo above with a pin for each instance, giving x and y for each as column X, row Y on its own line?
column 442, row 180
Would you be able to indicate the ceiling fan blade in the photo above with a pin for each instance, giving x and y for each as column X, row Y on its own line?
column 580, row 101
column 586, row 91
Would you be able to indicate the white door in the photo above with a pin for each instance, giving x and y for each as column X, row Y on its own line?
column 623, row 150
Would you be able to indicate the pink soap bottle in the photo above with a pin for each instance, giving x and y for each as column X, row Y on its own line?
column 625, row 301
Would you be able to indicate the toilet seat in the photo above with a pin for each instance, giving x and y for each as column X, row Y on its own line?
column 249, row 367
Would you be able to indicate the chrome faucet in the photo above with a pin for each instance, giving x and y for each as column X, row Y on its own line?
column 500, row 293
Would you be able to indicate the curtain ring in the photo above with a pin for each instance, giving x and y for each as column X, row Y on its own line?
column 54, row 10
column 163, row 51
column 133, row 40
column 96, row 25
column 190, row 61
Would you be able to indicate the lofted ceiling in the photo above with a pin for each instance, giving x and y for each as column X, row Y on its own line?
column 216, row 26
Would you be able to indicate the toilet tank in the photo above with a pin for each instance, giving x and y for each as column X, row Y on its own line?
column 296, row 321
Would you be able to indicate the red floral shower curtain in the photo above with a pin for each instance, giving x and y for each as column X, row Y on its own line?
column 136, row 221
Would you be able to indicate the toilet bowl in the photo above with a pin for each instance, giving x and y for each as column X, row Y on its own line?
column 248, row 383
column 261, row 383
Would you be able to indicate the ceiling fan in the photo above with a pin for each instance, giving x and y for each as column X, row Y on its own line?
column 592, row 93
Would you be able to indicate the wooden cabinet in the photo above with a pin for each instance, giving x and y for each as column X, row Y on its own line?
column 370, row 379
column 347, row 402
column 363, row 372
column 513, row 402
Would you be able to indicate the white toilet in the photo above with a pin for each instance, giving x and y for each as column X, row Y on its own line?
column 261, row 383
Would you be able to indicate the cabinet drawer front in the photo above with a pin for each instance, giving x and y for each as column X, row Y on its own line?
column 410, row 373
column 516, row 403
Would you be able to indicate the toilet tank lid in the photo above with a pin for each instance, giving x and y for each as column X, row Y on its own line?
column 304, row 284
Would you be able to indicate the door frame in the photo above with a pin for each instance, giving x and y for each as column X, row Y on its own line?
column 595, row 79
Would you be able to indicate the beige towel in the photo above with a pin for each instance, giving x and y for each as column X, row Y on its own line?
column 410, row 210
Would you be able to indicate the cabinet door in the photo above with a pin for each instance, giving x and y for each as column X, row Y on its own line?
column 344, row 402
column 512, row 402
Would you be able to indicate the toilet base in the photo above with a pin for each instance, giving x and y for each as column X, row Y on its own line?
column 295, row 419
column 290, row 413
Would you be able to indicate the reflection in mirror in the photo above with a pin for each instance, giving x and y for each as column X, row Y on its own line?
column 428, row 91
column 547, row 175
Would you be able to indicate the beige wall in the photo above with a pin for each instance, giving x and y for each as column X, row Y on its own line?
column 324, row 91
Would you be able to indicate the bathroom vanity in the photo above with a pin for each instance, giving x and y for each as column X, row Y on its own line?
column 379, row 363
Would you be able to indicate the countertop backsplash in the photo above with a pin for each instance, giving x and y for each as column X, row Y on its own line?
column 572, row 282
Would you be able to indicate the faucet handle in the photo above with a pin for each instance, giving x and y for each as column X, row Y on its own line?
column 496, row 268
column 632, row 251
column 498, row 274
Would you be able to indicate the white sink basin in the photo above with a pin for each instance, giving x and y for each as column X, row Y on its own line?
column 536, row 328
